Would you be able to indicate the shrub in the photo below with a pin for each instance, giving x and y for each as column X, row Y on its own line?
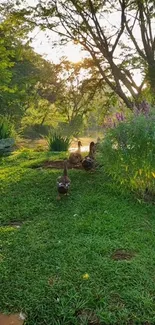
column 128, row 153
column 35, row 131
column 6, row 128
column 73, row 128
column 58, row 142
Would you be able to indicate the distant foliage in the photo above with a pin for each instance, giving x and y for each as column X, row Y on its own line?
column 6, row 128
column 57, row 142
column 35, row 131
column 128, row 152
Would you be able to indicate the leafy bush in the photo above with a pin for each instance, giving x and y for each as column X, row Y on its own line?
column 73, row 128
column 6, row 128
column 58, row 142
column 35, row 131
column 128, row 153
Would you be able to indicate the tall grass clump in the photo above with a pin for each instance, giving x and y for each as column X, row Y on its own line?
column 58, row 142
column 128, row 152
column 6, row 128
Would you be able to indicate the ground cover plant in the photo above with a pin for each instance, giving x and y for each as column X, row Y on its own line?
column 88, row 259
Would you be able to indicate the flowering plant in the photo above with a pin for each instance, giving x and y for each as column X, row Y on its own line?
column 128, row 150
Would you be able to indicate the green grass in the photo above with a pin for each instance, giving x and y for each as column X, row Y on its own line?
column 42, row 263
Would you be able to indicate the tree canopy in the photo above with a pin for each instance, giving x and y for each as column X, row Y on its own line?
column 118, row 35
column 35, row 91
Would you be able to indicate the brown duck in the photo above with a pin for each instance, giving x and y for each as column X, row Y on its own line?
column 63, row 182
column 88, row 162
column 76, row 157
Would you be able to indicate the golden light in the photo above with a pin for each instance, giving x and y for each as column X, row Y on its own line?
column 73, row 53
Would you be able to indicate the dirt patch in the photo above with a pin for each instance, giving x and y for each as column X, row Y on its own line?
column 89, row 316
column 149, row 196
column 13, row 319
column 13, row 224
column 52, row 281
column 133, row 323
column 116, row 302
column 57, row 164
column 121, row 254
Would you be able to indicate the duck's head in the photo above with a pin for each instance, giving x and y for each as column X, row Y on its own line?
column 92, row 145
column 65, row 162
column 65, row 167
column 79, row 144
column 92, row 149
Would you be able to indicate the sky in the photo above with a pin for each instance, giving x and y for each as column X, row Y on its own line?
column 42, row 43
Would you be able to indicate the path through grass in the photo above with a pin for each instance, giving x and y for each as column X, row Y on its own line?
column 42, row 263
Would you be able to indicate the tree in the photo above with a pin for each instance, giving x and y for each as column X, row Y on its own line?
column 77, row 98
column 79, row 88
column 16, row 69
column 117, row 51
column 26, row 78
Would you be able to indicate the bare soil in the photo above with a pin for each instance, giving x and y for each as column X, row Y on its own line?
column 14, row 224
column 121, row 254
column 13, row 319
column 57, row 164
column 87, row 315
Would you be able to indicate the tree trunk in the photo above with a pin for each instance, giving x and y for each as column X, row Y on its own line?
column 151, row 78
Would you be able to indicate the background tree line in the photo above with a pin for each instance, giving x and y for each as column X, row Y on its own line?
column 37, row 94
column 34, row 91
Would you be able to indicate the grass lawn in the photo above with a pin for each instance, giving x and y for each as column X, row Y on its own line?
column 57, row 267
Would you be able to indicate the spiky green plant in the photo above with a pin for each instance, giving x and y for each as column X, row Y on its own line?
column 57, row 142
column 6, row 128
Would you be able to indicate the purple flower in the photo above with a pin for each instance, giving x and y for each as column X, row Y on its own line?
column 122, row 117
column 118, row 116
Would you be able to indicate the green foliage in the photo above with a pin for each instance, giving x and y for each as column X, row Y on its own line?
column 28, row 82
column 18, row 72
column 6, row 128
column 34, row 91
column 57, row 142
column 128, row 153
column 72, row 128
column 35, row 131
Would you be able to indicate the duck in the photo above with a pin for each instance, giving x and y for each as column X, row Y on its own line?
column 63, row 182
column 76, row 157
column 88, row 162
column 97, row 144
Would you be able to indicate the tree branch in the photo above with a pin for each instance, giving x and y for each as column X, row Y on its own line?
column 140, row 52
column 143, row 29
column 122, row 26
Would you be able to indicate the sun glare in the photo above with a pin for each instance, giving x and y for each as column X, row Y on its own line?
column 43, row 46
column 73, row 53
